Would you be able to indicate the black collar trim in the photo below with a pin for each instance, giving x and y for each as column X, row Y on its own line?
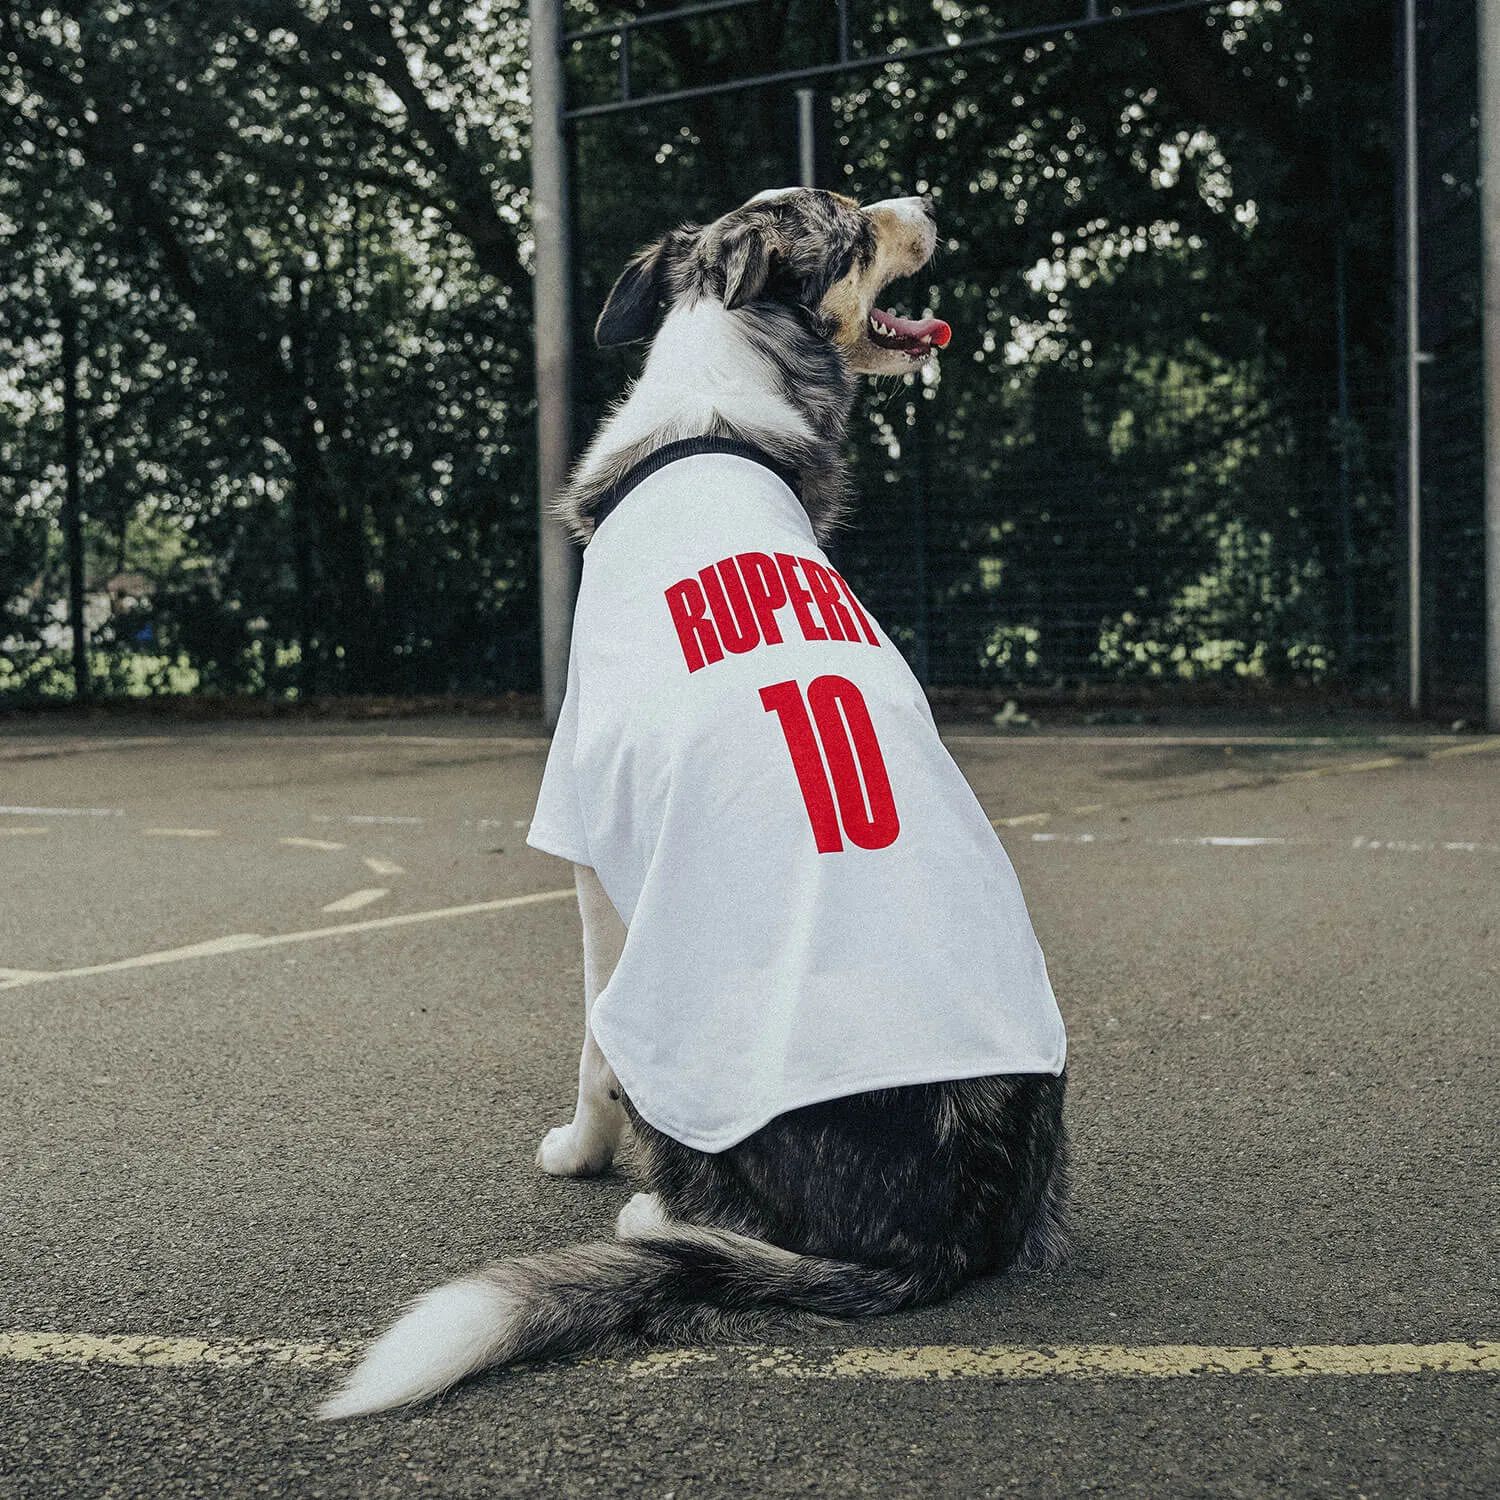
column 690, row 448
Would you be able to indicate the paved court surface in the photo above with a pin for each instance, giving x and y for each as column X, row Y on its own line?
column 280, row 1028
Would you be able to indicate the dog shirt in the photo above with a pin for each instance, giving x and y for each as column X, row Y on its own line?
column 815, row 901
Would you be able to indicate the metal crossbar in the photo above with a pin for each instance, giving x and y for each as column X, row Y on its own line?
column 845, row 63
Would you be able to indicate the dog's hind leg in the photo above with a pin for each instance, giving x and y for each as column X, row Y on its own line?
column 1048, row 1245
column 587, row 1145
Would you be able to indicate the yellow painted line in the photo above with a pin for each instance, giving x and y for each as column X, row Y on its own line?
column 182, row 833
column 938, row 1362
column 1346, row 769
column 1479, row 747
column 1141, row 1362
column 245, row 942
column 356, row 899
column 148, row 1349
column 384, row 866
column 300, row 843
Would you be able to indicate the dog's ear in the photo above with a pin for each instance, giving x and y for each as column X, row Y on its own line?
column 631, row 307
column 745, row 255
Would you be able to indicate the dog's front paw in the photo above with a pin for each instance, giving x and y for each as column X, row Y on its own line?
column 569, row 1151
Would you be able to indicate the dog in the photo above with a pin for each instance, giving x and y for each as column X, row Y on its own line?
column 812, row 992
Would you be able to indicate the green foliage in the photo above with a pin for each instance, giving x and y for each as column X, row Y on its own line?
column 296, row 233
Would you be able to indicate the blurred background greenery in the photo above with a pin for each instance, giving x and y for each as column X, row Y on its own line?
column 294, row 234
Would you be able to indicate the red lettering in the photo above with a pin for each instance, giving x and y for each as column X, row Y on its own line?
column 689, row 610
column 784, row 699
column 826, row 592
column 799, row 598
column 729, row 607
column 855, row 765
column 767, row 592
column 864, row 619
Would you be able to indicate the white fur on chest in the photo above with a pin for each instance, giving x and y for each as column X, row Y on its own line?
column 701, row 369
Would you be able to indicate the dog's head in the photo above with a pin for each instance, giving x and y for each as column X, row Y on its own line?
column 816, row 254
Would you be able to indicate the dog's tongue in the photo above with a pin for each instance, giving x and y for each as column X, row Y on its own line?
column 933, row 330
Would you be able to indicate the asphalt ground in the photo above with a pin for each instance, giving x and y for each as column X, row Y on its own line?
column 1278, row 958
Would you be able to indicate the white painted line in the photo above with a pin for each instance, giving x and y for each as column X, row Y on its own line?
column 384, row 866
column 1418, row 742
column 365, row 818
column 21, row 833
column 182, row 833
column 356, row 899
column 230, row 944
column 936, row 1362
column 40, row 749
column 1230, row 841
column 1361, row 844
column 247, row 942
column 298, row 843
column 22, row 973
column 62, row 812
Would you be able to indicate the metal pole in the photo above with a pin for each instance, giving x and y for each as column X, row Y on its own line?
column 553, row 313
column 807, row 153
column 1413, row 380
column 1489, row 210
column 72, row 496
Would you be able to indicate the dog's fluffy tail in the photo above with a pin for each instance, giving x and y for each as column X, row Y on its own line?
column 688, row 1285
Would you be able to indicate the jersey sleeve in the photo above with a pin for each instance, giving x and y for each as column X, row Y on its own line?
column 557, row 825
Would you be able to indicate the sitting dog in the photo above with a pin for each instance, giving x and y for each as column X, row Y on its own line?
column 811, row 986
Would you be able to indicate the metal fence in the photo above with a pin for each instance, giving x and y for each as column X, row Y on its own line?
column 1450, row 312
column 1261, row 541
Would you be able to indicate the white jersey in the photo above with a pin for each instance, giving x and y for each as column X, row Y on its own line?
column 816, row 904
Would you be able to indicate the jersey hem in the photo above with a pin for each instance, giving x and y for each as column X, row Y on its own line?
column 840, row 1089
column 548, row 843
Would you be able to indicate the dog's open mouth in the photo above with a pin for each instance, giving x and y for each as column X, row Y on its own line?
column 916, row 338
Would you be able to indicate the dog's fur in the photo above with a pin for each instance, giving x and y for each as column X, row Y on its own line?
column 856, row 1206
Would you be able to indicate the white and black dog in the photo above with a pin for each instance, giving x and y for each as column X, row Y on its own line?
column 823, row 1014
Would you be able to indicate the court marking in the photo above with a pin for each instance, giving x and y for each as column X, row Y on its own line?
column 356, row 899
column 245, row 942
column 931, row 1362
column 1361, row 843
column 45, row 749
column 377, row 819
column 62, row 812
column 1244, row 783
column 301, row 843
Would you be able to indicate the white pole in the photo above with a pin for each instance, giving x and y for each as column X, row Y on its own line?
column 1489, row 212
column 1413, row 383
column 557, row 579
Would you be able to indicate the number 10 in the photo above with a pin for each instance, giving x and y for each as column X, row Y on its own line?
column 855, row 771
